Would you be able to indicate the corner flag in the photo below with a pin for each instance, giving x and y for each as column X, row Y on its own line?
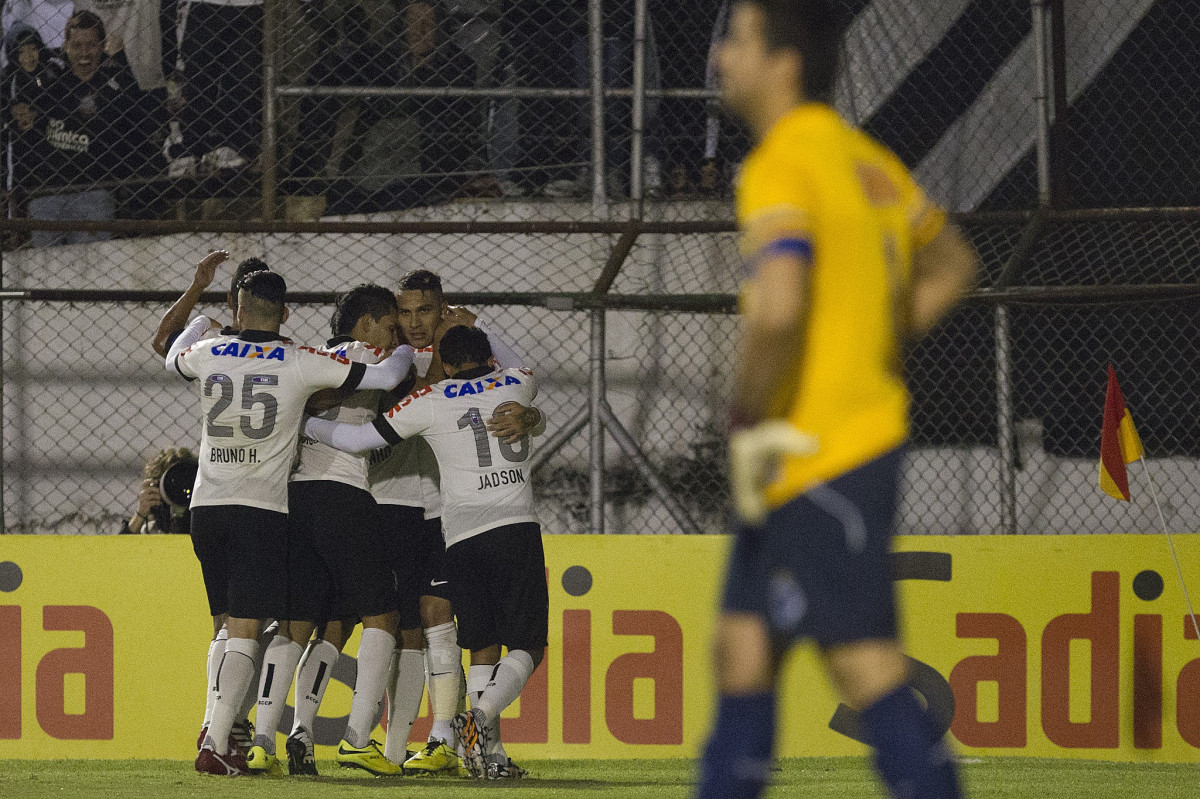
column 1119, row 442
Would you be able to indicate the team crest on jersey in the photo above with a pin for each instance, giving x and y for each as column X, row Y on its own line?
column 242, row 350
column 405, row 402
column 479, row 386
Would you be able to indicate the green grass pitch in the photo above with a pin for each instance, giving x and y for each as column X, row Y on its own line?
column 807, row 778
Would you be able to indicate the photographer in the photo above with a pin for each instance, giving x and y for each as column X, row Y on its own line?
column 162, row 505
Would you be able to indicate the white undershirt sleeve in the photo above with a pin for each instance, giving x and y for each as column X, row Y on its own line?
column 389, row 372
column 506, row 357
column 353, row 438
column 189, row 336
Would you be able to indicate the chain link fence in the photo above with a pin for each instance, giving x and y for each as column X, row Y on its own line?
column 346, row 141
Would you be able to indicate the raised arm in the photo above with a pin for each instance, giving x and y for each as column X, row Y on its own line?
column 176, row 317
column 195, row 331
column 506, row 357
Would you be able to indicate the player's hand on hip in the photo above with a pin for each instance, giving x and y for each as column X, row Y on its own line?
column 754, row 458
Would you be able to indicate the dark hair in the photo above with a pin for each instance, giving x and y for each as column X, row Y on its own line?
column 464, row 345
column 83, row 21
column 421, row 280
column 813, row 29
column 363, row 299
column 266, row 286
column 244, row 268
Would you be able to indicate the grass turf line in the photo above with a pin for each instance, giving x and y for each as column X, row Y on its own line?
column 801, row 778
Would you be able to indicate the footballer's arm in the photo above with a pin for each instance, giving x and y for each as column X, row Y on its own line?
column 388, row 373
column 353, row 438
column 176, row 317
column 194, row 332
column 942, row 272
column 774, row 307
column 512, row 420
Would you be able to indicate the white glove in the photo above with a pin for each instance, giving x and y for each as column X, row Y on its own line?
column 754, row 456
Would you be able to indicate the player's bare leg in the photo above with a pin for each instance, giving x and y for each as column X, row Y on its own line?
column 872, row 676
column 865, row 671
column 737, row 760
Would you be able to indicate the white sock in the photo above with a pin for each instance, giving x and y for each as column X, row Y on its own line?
column 478, row 678
column 405, row 692
column 443, row 664
column 264, row 641
column 312, row 678
column 374, row 657
column 232, row 685
column 495, row 745
column 279, row 664
column 508, row 678
column 216, row 651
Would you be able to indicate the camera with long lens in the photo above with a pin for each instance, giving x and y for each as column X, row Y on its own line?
column 177, row 482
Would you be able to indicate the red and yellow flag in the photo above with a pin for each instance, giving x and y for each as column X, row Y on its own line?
column 1119, row 442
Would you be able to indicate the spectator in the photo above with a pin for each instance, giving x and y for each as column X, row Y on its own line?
column 28, row 70
column 532, row 141
column 97, row 127
column 134, row 29
column 451, row 44
column 155, row 512
column 349, row 56
column 222, row 57
column 531, row 48
column 47, row 17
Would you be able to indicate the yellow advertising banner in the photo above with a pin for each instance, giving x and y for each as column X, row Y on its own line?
column 1071, row 646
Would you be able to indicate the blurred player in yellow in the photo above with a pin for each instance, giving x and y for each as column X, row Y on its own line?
column 847, row 262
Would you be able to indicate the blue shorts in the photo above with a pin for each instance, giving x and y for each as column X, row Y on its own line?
column 819, row 566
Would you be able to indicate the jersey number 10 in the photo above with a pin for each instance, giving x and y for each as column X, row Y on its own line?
column 513, row 453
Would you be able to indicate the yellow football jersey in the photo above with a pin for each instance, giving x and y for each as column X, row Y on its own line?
column 818, row 187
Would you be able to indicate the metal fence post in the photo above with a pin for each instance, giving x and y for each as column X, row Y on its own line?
column 1005, row 423
column 596, row 424
column 1005, row 413
column 1042, row 99
column 596, row 61
column 3, row 526
column 638, row 111
column 270, row 120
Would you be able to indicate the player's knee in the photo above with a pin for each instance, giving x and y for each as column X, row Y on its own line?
column 435, row 611
column 866, row 671
column 535, row 655
column 412, row 639
column 742, row 655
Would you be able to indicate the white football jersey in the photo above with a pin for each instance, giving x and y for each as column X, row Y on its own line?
column 317, row 461
column 484, row 481
column 401, row 474
column 253, row 388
